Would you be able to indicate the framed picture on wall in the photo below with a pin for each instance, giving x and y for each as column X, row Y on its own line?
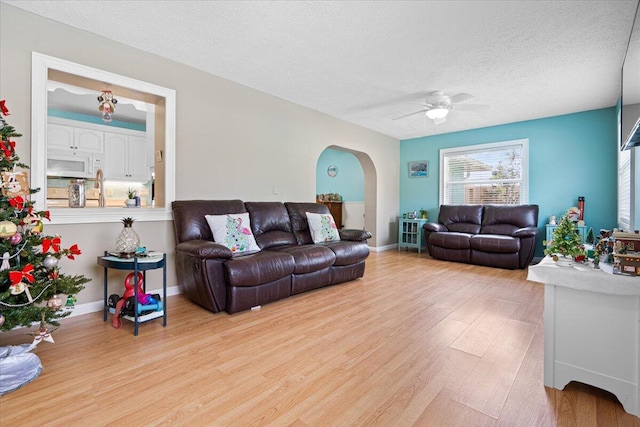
column 419, row 169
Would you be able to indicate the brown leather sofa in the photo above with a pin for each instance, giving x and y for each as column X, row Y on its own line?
column 493, row 235
column 288, row 263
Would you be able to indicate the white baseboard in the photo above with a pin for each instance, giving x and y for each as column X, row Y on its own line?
column 383, row 248
column 95, row 306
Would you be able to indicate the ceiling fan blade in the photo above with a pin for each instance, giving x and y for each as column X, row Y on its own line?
column 460, row 97
column 410, row 114
column 471, row 107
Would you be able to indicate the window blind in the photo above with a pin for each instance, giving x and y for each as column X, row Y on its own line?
column 485, row 174
column 624, row 190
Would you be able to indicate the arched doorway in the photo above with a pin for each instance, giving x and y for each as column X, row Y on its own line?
column 351, row 174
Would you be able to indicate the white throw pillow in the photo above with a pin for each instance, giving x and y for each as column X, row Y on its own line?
column 323, row 227
column 233, row 231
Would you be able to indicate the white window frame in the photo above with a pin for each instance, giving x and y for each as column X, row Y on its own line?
column 523, row 143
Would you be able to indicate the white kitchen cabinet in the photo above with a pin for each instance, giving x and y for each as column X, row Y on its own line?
column 74, row 139
column 88, row 140
column 59, row 137
column 126, row 157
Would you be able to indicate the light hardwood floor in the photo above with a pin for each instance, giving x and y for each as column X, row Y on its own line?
column 415, row 342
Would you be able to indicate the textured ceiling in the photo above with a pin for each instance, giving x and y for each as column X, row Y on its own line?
column 367, row 62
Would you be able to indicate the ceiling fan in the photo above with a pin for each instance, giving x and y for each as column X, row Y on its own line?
column 437, row 106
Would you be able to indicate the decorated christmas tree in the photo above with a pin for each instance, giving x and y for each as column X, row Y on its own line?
column 565, row 241
column 32, row 287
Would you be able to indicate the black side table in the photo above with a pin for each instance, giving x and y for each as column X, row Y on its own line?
column 137, row 264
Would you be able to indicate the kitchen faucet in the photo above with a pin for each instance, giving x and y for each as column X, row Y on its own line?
column 100, row 185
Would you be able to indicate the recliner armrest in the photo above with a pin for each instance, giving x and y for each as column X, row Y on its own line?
column 204, row 249
column 434, row 227
column 354, row 235
column 525, row 232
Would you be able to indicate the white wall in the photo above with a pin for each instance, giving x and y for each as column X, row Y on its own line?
column 232, row 141
column 353, row 215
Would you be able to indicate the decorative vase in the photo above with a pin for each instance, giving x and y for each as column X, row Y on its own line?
column 77, row 193
column 128, row 240
column 131, row 203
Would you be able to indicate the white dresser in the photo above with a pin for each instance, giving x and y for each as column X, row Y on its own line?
column 591, row 329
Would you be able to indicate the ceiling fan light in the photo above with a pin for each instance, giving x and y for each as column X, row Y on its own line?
column 437, row 113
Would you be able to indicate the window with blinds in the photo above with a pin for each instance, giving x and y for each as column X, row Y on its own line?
column 495, row 173
column 624, row 190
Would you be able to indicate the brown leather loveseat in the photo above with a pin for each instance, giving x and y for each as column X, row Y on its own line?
column 288, row 262
column 493, row 235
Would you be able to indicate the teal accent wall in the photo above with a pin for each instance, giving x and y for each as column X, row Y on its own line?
column 569, row 156
column 349, row 182
column 94, row 119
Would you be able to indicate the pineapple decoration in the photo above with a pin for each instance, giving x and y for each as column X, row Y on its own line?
column 128, row 240
column 31, row 283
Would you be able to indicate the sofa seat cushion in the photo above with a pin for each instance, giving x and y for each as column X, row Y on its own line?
column 450, row 240
column 495, row 243
column 347, row 252
column 259, row 268
column 308, row 258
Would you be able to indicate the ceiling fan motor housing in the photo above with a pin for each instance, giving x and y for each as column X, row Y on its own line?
column 439, row 100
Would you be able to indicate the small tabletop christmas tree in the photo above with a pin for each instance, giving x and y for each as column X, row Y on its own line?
column 565, row 241
column 30, row 278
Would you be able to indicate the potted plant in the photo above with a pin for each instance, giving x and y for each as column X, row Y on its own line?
column 131, row 198
column 423, row 213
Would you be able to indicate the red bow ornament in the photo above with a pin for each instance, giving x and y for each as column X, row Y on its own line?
column 73, row 250
column 18, row 276
column 17, row 202
column 7, row 149
column 3, row 108
column 51, row 243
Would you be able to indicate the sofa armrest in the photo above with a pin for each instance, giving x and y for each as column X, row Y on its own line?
column 354, row 235
column 525, row 232
column 434, row 227
column 204, row 249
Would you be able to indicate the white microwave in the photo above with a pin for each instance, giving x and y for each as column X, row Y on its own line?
column 78, row 165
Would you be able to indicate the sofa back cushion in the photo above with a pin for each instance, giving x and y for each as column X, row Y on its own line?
column 505, row 219
column 189, row 221
column 298, row 215
column 270, row 224
column 461, row 218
